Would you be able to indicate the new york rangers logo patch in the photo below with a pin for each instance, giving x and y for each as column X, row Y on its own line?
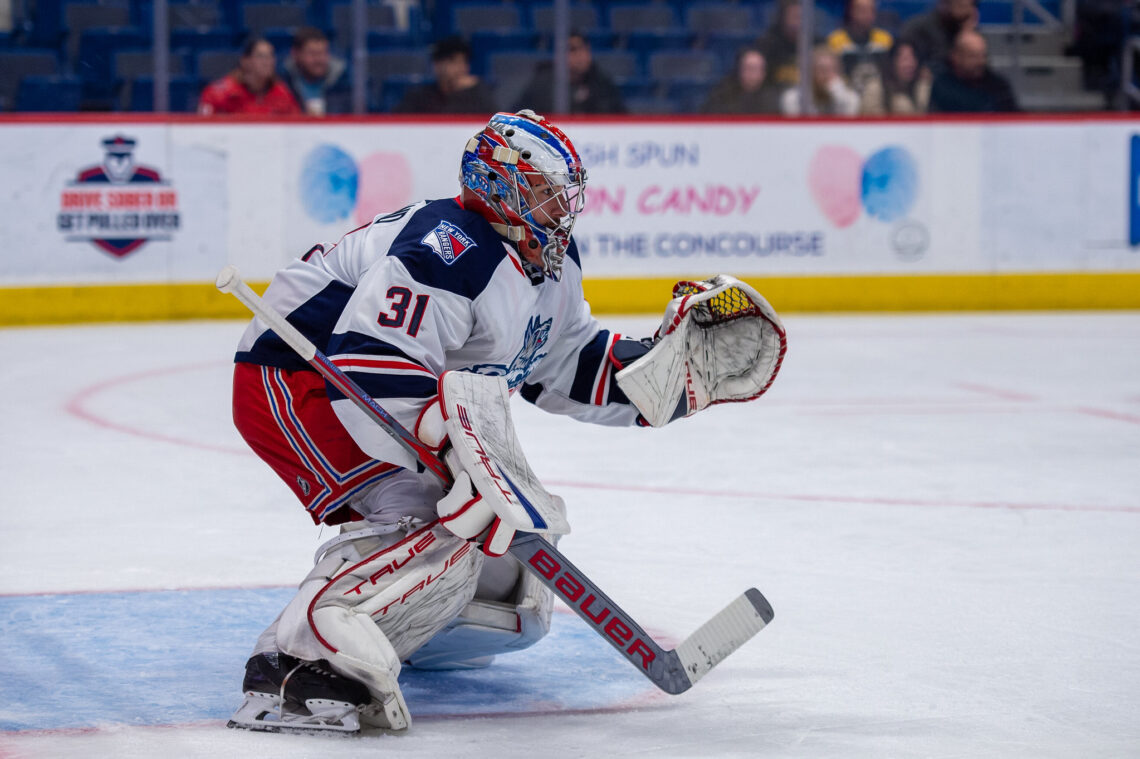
column 448, row 241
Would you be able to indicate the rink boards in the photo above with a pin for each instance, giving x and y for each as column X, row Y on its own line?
column 120, row 219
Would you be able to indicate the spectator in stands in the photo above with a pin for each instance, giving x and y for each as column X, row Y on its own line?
column 455, row 89
column 780, row 44
column 861, row 46
column 1098, row 40
column 902, row 88
column 830, row 94
column 591, row 89
column 317, row 80
column 969, row 85
column 251, row 88
column 932, row 34
column 746, row 89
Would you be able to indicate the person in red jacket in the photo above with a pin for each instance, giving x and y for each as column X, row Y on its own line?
column 253, row 87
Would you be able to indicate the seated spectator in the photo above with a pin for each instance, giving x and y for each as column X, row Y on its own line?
column 455, row 89
column 969, row 85
column 317, row 80
column 861, row 46
column 780, row 45
column 829, row 93
column 746, row 89
column 932, row 34
column 251, row 88
column 591, row 89
column 901, row 89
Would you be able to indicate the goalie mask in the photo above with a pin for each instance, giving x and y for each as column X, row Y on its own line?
column 524, row 176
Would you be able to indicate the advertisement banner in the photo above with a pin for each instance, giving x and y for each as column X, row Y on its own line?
column 119, row 202
column 676, row 199
column 109, row 203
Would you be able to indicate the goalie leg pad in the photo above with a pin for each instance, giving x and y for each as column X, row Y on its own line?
column 369, row 603
column 485, row 628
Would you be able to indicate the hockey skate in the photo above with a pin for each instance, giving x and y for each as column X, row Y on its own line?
column 285, row 694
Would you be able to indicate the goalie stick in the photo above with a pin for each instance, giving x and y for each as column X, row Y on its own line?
column 672, row 670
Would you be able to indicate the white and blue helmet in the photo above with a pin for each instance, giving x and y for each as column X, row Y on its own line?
column 513, row 160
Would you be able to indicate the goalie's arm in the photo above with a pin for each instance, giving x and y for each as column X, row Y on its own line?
column 581, row 383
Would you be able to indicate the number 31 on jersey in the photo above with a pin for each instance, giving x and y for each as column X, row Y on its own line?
column 399, row 299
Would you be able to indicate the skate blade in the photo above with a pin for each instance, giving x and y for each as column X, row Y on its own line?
column 264, row 712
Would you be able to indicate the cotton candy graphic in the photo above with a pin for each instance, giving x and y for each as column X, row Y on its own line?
column 834, row 178
column 328, row 184
column 889, row 184
column 385, row 185
column 843, row 184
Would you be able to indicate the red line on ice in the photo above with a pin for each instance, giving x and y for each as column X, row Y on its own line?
column 817, row 498
column 77, row 407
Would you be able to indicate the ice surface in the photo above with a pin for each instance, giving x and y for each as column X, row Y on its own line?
column 943, row 510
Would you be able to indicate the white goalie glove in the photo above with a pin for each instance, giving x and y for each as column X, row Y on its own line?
column 719, row 342
column 495, row 493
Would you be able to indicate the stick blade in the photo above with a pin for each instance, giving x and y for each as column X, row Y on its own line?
column 731, row 628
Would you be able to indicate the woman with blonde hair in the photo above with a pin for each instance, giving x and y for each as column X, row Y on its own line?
column 830, row 94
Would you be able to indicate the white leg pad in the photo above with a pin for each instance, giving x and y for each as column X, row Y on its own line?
column 485, row 629
column 369, row 603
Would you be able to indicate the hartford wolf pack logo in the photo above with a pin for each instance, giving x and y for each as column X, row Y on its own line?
column 534, row 340
column 118, row 205
column 448, row 241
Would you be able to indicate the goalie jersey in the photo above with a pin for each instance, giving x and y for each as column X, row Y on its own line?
column 432, row 288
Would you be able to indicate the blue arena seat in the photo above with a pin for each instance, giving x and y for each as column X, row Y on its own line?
column 256, row 17
column 392, row 39
column 376, row 17
column 389, row 91
column 626, row 18
column 193, row 14
column 399, row 63
column 17, row 64
column 584, row 18
column 214, row 64
column 193, row 41
column 96, row 62
column 691, row 65
column 707, row 18
column 78, row 17
column 726, row 44
column 468, row 18
column 59, row 92
column 621, row 65
column 184, row 92
column 488, row 42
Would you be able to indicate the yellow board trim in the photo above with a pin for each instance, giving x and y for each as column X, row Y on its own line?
column 885, row 292
column 945, row 292
column 117, row 303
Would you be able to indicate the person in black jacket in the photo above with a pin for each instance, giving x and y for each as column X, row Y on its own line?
column 932, row 34
column 969, row 85
column 455, row 89
column 591, row 89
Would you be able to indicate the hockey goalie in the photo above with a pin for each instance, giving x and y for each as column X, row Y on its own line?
column 443, row 311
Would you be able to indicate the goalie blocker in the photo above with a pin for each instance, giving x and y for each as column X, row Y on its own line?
column 719, row 342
